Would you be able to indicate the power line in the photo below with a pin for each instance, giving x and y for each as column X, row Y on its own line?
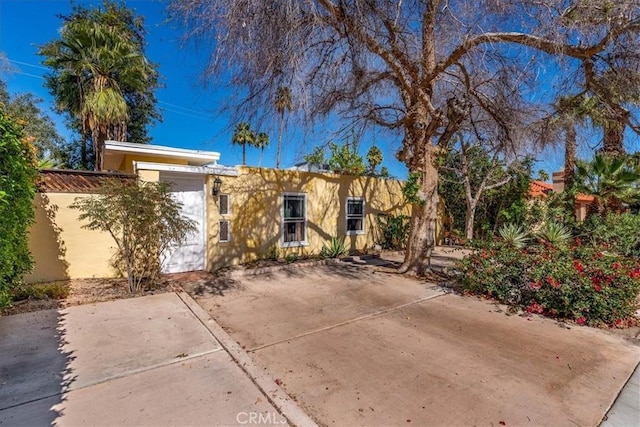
column 185, row 111
column 28, row 64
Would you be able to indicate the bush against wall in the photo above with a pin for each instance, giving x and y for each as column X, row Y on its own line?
column 393, row 231
column 579, row 282
column 17, row 189
column 143, row 219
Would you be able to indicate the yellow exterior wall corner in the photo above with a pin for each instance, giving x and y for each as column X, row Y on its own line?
column 60, row 247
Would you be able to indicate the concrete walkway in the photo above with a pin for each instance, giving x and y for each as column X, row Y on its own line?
column 154, row 360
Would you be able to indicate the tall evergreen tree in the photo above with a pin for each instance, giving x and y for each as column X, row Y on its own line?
column 101, row 78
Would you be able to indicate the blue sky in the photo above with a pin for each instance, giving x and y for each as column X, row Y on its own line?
column 190, row 116
column 189, row 109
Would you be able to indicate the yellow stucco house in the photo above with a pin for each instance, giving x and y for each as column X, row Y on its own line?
column 241, row 213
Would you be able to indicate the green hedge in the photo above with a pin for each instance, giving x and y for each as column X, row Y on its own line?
column 17, row 189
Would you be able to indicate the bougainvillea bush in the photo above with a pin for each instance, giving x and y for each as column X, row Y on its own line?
column 593, row 286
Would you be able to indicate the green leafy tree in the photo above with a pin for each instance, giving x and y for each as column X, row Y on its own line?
column 611, row 180
column 17, row 190
column 38, row 126
column 469, row 171
column 345, row 159
column 316, row 159
column 283, row 103
column 374, row 158
column 143, row 219
column 100, row 75
column 243, row 135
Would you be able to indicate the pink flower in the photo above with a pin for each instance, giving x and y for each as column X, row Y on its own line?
column 553, row 282
column 581, row 320
column 534, row 307
column 615, row 265
column 597, row 287
column 535, row 285
column 578, row 266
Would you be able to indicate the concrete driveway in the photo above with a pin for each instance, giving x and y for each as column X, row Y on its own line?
column 360, row 346
column 154, row 360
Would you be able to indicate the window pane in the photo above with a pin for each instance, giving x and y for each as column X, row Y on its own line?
column 293, row 207
column 224, row 231
column 223, row 201
column 354, row 224
column 294, row 231
column 354, row 207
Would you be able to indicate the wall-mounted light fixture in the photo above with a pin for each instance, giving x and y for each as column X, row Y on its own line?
column 217, row 183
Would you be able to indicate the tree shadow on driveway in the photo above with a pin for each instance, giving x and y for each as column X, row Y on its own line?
column 34, row 367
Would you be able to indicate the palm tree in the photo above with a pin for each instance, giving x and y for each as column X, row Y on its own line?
column 261, row 142
column 243, row 135
column 92, row 62
column 610, row 180
column 374, row 157
column 282, row 102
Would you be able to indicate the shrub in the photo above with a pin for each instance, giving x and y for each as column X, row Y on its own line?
column 335, row 249
column 143, row 219
column 575, row 282
column 17, row 190
column 394, row 230
column 53, row 290
column 618, row 232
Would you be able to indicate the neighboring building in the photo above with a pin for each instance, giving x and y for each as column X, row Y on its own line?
column 255, row 212
column 308, row 167
column 540, row 190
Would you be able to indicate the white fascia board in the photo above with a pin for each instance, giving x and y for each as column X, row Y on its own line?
column 164, row 151
column 200, row 170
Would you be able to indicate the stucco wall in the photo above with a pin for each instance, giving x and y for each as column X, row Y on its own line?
column 256, row 212
column 61, row 248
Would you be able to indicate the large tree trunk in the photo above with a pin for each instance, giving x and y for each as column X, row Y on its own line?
column 423, row 220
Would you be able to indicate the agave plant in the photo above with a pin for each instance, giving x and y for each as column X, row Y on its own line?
column 514, row 235
column 554, row 233
column 335, row 248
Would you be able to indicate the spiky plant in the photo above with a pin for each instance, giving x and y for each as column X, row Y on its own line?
column 554, row 233
column 514, row 235
column 335, row 248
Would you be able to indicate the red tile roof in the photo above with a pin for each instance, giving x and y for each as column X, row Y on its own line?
column 539, row 188
column 73, row 181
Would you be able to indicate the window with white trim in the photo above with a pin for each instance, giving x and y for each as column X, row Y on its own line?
column 355, row 215
column 294, row 219
column 223, row 231
column 223, row 204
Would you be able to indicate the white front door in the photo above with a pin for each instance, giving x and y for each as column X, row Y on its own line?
column 191, row 255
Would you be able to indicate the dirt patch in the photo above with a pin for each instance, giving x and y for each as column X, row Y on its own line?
column 89, row 291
